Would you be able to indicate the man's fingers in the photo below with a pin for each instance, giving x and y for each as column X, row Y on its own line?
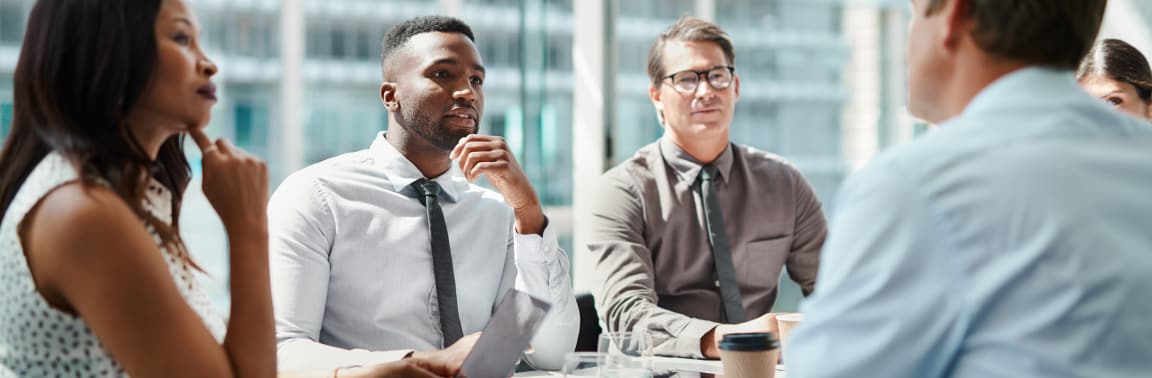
column 469, row 162
column 456, row 151
column 435, row 367
column 488, row 167
column 202, row 140
column 417, row 371
column 464, row 153
column 466, row 146
column 476, row 141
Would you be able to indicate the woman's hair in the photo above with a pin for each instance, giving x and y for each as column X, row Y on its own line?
column 1119, row 61
column 83, row 66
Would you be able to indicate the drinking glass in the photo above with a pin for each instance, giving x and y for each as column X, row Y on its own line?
column 633, row 344
column 600, row 365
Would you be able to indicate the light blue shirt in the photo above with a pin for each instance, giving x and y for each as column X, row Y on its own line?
column 351, row 264
column 1013, row 241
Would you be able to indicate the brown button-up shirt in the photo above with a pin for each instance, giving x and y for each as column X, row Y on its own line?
column 654, row 265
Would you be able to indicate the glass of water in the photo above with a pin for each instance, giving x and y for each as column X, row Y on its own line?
column 636, row 346
column 600, row 365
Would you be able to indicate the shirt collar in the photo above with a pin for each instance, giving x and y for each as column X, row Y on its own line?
column 687, row 167
column 1024, row 86
column 402, row 173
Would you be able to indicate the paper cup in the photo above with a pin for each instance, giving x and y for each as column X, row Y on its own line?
column 786, row 323
column 749, row 355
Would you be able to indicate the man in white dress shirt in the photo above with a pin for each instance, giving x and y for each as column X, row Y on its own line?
column 358, row 277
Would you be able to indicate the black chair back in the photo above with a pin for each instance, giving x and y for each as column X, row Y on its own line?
column 589, row 337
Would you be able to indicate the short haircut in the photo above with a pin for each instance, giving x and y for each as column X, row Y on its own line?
column 399, row 35
column 687, row 29
column 1053, row 33
column 1117, row 60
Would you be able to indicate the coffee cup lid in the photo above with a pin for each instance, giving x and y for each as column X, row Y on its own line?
column 749, row 341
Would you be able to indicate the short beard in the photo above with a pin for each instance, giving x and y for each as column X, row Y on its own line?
column 434, row 132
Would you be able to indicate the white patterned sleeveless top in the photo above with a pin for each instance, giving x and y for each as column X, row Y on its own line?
column 37, row 340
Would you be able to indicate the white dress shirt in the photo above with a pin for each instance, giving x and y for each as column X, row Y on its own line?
column 351, row 264
column 1012, row 241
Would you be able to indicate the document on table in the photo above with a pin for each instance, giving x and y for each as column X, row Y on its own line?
column 507, row 334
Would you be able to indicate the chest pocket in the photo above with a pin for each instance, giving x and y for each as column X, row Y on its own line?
column 761, row 261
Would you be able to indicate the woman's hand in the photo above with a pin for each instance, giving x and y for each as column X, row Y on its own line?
column 235, row 183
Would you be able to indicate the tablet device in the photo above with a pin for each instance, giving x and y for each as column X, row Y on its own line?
column 505, row 337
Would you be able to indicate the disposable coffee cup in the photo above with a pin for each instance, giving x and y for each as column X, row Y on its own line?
column 749, row 355
column 786, row 323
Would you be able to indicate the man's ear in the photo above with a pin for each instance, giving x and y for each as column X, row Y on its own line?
column 388, row 96
column 654, row 95
column 736, row 86
column 958, row 22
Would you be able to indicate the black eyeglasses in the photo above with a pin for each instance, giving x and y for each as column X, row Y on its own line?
column 719, row 77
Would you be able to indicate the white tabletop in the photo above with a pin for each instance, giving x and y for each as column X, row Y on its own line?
column 685, row 368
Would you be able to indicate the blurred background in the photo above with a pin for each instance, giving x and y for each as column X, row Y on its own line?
column 822, row 84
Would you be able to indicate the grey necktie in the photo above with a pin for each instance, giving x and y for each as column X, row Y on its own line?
column 721, row 247
column 441, row 261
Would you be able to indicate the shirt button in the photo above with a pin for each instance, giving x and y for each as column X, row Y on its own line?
column 717, row 283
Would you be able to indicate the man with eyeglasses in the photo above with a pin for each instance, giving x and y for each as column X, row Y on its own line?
column 691, row 234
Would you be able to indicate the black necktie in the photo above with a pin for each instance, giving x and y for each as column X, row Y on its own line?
column 721, row 248
column 441, row 261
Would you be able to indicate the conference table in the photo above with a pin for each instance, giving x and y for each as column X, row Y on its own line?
column 668, row 367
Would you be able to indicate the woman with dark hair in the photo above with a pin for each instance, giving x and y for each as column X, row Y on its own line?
column 94, row 277
column 1118, row 73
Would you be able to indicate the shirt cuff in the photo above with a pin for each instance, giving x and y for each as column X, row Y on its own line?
column 690, row 340
column 537, row 249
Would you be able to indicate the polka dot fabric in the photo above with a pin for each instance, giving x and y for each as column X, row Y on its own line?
column 36, row 340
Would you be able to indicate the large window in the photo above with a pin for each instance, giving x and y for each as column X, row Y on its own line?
column 12, row 14
column 6, row 108
column 792, row 56
column 527, row 48
column 5, row 119
column 344, row 120
column 638, row 23
column 251, row 128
